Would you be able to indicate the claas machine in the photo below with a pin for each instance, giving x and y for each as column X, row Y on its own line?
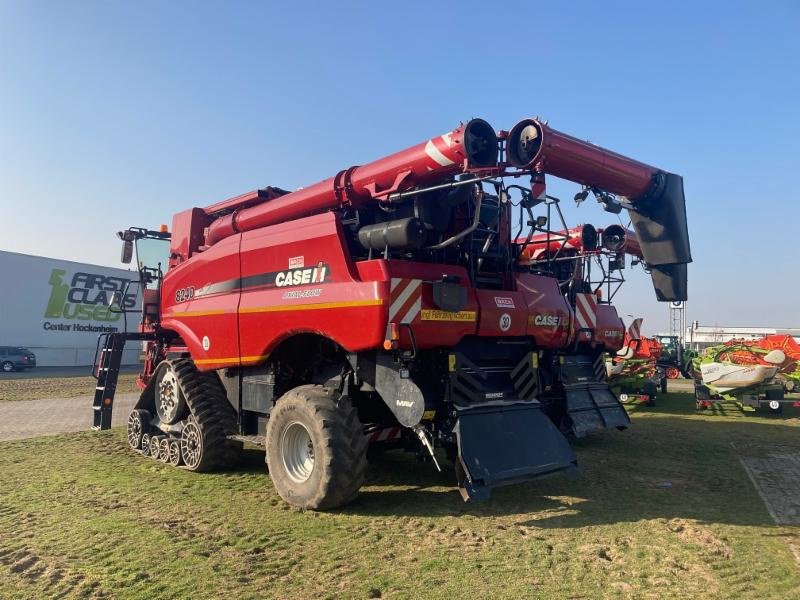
column 753, row 373
column 392, row 301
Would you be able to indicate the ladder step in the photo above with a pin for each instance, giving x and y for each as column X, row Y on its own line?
column 258, row 440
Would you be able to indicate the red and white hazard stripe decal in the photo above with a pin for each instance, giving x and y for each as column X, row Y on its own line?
column 635, row 330
column 406, row 300
column 439, row 151
column 385, row 435
column 586, row 311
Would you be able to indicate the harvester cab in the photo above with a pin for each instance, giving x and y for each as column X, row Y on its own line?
column 391, row 303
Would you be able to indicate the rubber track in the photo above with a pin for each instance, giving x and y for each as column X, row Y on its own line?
column 212, row 412
column 345, row 434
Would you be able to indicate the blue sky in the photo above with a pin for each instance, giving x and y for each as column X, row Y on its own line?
column 116, row 114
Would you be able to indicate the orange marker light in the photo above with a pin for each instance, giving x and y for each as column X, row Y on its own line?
column 392, row 335
column 163, row 228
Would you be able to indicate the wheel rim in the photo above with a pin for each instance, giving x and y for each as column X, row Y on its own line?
column 191, row 445
column 154, row 445
column 134, row 430
column 8, row 367
column 297, row 452
column 175, row 452
column 168, row 395
column 163, row 451
column 145, row 444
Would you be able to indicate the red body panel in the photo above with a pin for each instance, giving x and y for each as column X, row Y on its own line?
column 502, row 313
column 187, row 234
column 195, row 316
column 550, row 316
column 337, row 305
column 610, row 329
column 408, row 288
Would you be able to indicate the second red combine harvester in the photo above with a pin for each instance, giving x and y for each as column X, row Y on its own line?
column 390, row 301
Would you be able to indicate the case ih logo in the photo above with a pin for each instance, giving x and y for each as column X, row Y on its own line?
column 546, row 320
column 301, row 276
column 85, row 297
column 504, row 302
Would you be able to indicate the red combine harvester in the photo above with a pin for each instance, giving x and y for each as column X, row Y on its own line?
column 388, row 302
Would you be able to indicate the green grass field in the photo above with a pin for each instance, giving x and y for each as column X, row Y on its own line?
column 662, row 510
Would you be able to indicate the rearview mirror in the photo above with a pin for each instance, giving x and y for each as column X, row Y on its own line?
column 127, row 251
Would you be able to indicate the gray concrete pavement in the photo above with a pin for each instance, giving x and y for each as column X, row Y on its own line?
column 33, row 418
column 46, row 372
column 680, row 385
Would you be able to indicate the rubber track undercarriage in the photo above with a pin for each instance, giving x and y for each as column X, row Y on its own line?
column 184, row 418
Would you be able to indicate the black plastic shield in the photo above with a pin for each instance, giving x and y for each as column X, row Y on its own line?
column 670, row 282
column 504, row 445
column 661, row 228
column 594, row 407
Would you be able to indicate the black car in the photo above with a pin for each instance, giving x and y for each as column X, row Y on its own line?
column 14, row 358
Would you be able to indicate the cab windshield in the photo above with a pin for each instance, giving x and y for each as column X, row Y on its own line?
column 151, row 258
column 152, row 253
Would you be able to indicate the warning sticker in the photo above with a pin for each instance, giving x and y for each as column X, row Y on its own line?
column 429, row 314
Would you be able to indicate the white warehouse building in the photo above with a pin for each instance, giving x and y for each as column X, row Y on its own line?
column 57, row 308
column 699, row 336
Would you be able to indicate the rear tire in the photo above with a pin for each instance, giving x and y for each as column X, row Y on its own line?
column 8, row 367
column 316, row 448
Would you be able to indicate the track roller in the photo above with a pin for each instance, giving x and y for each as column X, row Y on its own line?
column 138, row 425
column 163, row 451
column 175, row 452
column 145, row 446
column 155, row 446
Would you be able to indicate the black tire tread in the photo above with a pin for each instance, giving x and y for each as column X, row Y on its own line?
column 343, row 433
column 212, row 412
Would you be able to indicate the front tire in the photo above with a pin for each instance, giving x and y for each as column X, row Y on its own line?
column 8, row 367
column 316, row 448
